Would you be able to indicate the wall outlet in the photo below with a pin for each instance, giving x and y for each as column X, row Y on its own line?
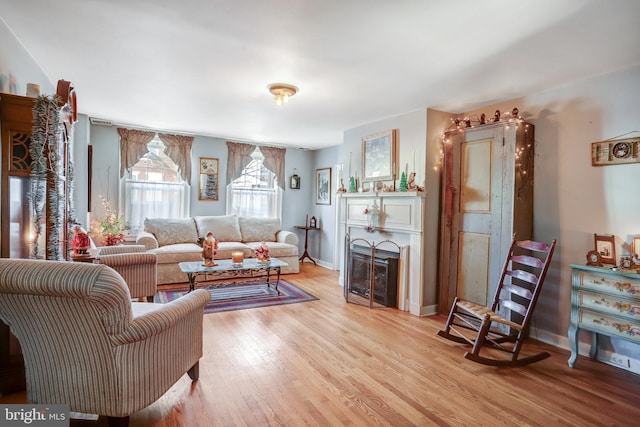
column 620, row 360
column 634, row 365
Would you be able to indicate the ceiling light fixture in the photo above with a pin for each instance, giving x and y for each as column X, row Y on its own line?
column 282, row 92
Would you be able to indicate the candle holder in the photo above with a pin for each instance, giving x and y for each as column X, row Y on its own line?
column 237, row 258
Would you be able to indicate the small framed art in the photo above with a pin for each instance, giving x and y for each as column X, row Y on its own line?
column 615, row 152
column 294, row 182
column 208, row 179
column 323, row 186
column 606, row 247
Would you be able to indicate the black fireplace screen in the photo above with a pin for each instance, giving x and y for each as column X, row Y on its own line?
column 385, row 275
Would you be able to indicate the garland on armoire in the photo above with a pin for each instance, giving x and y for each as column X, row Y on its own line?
column 46, row 177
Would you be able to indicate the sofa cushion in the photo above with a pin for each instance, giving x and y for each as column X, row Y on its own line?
column 225, row 249
column 173, row 254
column 259, row 229
column 276, row 249
column 225, row 228
column 169, row 231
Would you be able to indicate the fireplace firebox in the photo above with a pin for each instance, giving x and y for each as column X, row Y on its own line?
column 385, row 275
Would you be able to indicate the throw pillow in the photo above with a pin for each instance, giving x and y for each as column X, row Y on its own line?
column 259, row 229
column 225, row 228
column 169, row 231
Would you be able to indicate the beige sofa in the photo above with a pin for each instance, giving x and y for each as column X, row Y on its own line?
column 176, row 240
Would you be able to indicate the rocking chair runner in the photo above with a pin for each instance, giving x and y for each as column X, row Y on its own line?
column 517, row 294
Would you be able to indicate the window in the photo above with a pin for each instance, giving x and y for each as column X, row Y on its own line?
column 255, row 193
column 154, row 189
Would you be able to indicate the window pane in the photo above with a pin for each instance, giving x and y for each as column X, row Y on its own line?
column 255, row 193
column 154, row 189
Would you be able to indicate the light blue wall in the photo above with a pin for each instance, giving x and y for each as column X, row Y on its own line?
column 295, row 203
column 412, row 128
column 322, row 243
column 17, row 67
column 411, row 151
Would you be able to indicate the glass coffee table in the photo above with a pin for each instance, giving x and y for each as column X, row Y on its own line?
column 225, row 269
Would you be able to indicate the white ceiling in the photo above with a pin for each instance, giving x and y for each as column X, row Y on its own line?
column 202, row 66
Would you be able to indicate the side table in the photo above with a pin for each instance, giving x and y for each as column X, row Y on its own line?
column 306, row 241
column 89, row 258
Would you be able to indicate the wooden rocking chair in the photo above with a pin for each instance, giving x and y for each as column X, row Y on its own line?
column 517, row 293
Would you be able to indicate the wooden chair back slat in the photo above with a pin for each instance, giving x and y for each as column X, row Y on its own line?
column 518, row 290
column 534, row 246
column 514, row 306
column 528, row 260
column 523, row 275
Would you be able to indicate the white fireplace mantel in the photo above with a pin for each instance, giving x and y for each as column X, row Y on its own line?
column 402, row 221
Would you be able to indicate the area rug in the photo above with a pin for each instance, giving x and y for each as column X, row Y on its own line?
column 241, row 296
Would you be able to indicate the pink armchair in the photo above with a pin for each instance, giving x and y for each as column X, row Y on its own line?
column 86, row 345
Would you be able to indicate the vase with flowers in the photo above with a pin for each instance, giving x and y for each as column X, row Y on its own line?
column 111, row 229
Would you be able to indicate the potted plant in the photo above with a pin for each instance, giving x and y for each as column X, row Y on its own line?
column 112, row 228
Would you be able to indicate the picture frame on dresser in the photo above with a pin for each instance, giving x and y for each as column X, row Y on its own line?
column 635, row 246
column 605, row 244
column 635, row 251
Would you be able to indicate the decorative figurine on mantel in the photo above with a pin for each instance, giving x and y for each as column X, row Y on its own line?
column 403, row 182
column 209, row 250
column 81, row 242
column 341, row 189
column 411, row 185
column 262, row 254
column 352, row 185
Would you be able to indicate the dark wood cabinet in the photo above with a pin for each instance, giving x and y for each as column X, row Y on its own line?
column 16, row 121
column 16, row 209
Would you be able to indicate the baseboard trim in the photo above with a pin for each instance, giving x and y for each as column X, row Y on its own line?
column 325, row 264
column 603, row 356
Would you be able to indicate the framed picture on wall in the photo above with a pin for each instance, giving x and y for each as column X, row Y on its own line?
column 606, row 247
column 323, row 186
column 294, row 182
column 379, row 156
column 208, row 179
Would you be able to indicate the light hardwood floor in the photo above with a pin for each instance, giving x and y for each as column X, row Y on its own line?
column 329, row 363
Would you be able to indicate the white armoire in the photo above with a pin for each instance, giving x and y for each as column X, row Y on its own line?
column 487, row 196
